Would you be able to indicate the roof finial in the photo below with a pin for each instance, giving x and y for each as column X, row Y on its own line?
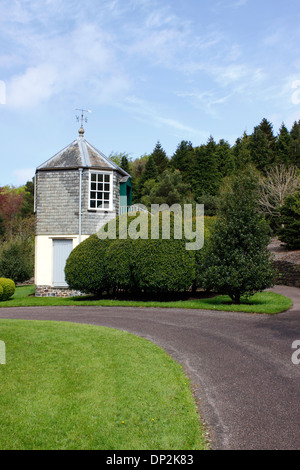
column 81, row 130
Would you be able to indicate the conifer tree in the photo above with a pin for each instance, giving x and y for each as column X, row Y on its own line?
column 207, row 175
column 184, row 161
column 125, row 164
column 295, row 144
column 262, row 145
column 283, row 146
column 241, row 152
column 236, row 260
column 290, row 219
column 160, row 158
column 225, row 158
column 150, row 173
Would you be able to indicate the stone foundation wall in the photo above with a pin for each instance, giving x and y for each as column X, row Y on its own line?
column 287, row 274
column 48, row 291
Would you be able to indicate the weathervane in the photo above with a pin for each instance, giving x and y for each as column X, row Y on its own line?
column 83, row 117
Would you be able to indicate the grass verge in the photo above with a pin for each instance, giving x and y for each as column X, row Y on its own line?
column 71, row 386
column 263, row 302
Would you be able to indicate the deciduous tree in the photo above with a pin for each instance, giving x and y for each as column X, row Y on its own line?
column 278, row 183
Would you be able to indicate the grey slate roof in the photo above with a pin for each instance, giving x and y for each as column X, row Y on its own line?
column 80, row 154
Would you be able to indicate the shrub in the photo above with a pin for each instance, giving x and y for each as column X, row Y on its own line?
column 236, row 261
column 152, row 266
column 208, row 229
column 163, row 266
column 118, row 264
column 1, row 292
column 85, row 267
column 17, row 260
column 8, row 287
column 290, row 218
column 135, row 265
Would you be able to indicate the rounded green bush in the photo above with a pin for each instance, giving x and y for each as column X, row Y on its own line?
column 85, row 267
column 137, row 265
column 8, row 287
column 163, row 266
column 118, row 261
column 1, row 292
column 146, row 265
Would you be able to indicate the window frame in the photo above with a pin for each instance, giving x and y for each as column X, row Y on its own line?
column 111, row 192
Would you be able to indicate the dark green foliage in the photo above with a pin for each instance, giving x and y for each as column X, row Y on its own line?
column 225, row 158
column 17, row 260
column 204, row 167
column 262, row 145
column 163, row 266
column 283, row 146
column 207, row 176
column 118, row 263
column 169, row 189
column 184, row 160
column 125, row 164
column 160, row 158
column 150, row 173
column 85, row 267
column 150, row 266
column 140, row 265
column 290, row 218
column 211, row 204
column 8, row 287
column 295, row 144
column 28, row 204
column 241, row 152
column 235, row 261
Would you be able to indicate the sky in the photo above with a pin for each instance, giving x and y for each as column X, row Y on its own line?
column 149, row 70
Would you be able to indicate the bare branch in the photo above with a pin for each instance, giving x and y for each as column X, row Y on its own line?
column 279, row 183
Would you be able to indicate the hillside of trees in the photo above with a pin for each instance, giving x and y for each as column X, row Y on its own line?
column 196, row 173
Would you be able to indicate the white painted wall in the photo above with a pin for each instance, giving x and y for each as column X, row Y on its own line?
column 44, row 257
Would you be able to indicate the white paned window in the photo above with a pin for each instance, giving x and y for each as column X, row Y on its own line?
column 101, row 191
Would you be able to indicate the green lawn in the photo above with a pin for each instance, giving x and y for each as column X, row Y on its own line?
column 72, row 386
column 263, row 302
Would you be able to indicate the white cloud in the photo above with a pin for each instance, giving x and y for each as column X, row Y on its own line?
column 32, row 88
column 239, row 3
column 82, row 60
column 230, row 4
column 147, row 112
column 209, row 101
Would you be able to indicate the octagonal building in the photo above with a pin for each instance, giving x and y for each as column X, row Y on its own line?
column 76, row 191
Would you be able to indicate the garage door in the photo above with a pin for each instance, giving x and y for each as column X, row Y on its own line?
column 61, row 252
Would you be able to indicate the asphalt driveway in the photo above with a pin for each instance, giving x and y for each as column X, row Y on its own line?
column 245, row 383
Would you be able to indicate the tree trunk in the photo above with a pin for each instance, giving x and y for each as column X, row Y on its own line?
column 236, row 298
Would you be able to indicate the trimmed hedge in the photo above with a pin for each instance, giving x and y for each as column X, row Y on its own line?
column 119, row 265
column 163, row 266
column 1, row 292
column 8, row 287
column 140, row 265
column 152, row 266
column 85, row 268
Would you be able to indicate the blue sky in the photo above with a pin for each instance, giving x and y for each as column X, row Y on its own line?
column 149, row 70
